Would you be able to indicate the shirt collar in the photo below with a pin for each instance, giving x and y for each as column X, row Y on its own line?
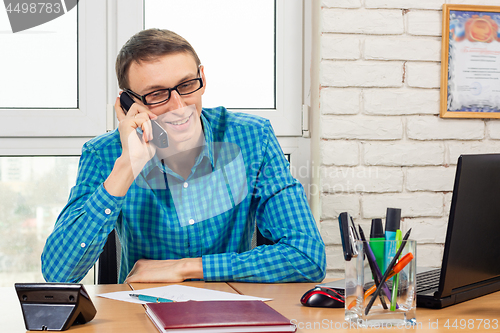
column 209, row 138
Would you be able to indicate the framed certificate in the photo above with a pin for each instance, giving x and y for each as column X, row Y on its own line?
column 470, row 62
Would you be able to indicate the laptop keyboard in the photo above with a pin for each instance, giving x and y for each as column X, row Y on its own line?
column 428, row 280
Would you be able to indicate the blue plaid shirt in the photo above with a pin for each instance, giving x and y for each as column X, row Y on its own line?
column 156, row 220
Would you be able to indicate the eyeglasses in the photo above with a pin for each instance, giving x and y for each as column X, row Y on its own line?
column 163, row 95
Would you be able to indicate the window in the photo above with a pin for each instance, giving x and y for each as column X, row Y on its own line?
column 268, row 83
column 241, row 76
column 33, row 191
column 55, row 86
column 52, row 103
column 33, row 75
column 52, row 99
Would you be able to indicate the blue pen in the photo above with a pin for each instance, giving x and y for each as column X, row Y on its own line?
column 150, row 299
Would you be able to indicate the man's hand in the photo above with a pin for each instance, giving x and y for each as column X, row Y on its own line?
column 146, row 270
column 136, row 152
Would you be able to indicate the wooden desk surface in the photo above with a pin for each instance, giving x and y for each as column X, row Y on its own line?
column 286, row 300
column 123, row 317
column 112, row 315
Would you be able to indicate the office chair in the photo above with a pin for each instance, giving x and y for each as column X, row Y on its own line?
column 108, row 265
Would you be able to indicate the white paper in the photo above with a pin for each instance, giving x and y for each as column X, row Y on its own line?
column 180, row 293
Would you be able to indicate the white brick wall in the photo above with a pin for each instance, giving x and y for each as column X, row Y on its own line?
column 403, row 48
column 435, row 128
column 378, row 22
column 383, row 143
column 333, row 205
column 342, row 3
column 361, row 179
column 361, row 127
column 403, row 153
column 400, row 101
column 361, row 74
column 341, row 47
column 494, row 129
column 436, row 179
column 423, row 75
column 424, row 23
column 456, row 148
column 420, row 204
column 339, row 152
column 340, row 101
column 405, row 4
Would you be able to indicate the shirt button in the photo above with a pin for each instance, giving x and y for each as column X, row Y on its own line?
column 83, row 245
column 107, row 211
column 191, row 221
column 186, row 185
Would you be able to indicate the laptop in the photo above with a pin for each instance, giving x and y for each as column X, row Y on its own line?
column 471, row 259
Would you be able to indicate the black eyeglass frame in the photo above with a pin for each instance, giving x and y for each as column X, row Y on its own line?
column 143, row 97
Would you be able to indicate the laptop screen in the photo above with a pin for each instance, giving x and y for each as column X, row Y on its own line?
column 472, row 250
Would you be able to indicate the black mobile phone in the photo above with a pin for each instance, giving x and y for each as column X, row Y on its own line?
column 160, row 137
column 348, row 235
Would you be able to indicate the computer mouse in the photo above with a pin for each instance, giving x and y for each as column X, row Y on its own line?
column 323, row 297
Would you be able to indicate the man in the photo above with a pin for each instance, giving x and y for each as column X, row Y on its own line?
column 187, row 211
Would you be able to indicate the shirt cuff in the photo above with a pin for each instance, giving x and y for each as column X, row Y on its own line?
column 102, row 206
column 218, row 267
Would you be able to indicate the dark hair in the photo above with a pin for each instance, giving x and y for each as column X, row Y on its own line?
column 149, row 45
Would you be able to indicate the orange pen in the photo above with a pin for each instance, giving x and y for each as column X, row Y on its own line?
column 396, row 269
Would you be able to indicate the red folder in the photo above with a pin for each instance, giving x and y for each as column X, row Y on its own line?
column 217, row 317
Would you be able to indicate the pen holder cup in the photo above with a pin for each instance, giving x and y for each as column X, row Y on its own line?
column 359, row 279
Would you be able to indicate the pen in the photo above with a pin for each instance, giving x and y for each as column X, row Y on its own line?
column 377, row 274
column 150, row 299
column 388, row 271
column 395, row 282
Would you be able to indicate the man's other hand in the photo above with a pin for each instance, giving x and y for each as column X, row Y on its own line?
column 146, row 270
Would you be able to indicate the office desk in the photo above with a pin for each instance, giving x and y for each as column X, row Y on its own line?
column 286, row 301
column 112, row 315
column 123, row 317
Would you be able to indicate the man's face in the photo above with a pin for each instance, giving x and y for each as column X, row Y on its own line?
column 180, row 115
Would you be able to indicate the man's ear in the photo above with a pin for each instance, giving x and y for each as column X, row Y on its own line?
column 202, row 74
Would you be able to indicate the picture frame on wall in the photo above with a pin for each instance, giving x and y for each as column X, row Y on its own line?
column 470, row 62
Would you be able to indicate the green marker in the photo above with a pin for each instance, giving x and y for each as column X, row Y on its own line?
column 377, row 237
column 395, row 282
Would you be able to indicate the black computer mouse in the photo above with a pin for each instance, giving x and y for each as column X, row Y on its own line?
column 323, row 297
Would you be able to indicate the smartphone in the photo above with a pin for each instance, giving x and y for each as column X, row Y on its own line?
column 349, row 235
column 160, row 137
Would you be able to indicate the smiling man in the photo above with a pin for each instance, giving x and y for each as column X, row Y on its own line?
column 189, row 210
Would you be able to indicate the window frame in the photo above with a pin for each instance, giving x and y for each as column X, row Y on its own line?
column 286, row 118
column 63, row 131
